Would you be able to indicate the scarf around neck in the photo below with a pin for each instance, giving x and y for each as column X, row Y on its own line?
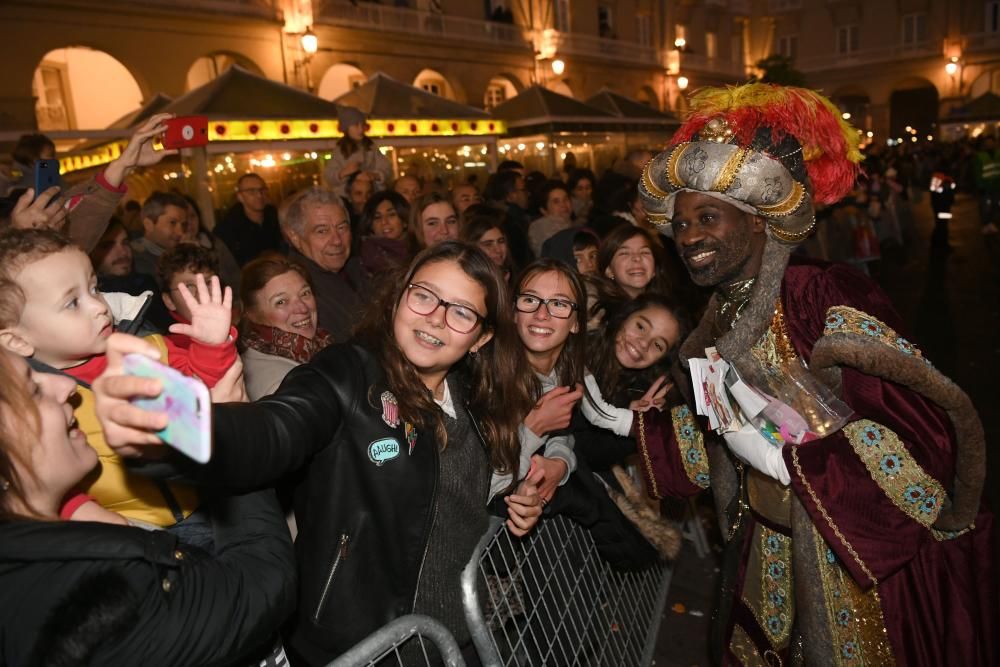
column 280, row 343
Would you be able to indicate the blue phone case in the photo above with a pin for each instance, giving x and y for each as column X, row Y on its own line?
column 46, row 176
column 185, row 400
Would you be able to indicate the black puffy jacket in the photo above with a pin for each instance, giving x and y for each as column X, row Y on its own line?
column 366, row 501
column 91, row 593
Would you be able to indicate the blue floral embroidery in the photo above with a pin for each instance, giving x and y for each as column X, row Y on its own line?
column 776, row 570
column 687, row 433
column 693, row 455
column 904, row 345
column 702, row 479
column 830, row 556
column 872, row 435
column 773, row 543
column 871, row 327
column 777, row 599
column 929, row 505
column 843, row 617
column 914, row 493
column 774, row 624
column 849, row 649
column 834, row 321
column 682, row 411
column 890, row 464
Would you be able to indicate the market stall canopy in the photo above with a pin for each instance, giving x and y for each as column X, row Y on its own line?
column 239, row 93
column 538, row 109
column 384, row 97
column 625, row 107
column 984, row 107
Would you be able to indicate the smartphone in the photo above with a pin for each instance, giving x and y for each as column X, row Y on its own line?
column 187, row 404
column 46, row 176
column 185, row 132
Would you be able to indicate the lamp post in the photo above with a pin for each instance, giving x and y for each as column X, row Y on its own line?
column 952, row 67
column 309, row 45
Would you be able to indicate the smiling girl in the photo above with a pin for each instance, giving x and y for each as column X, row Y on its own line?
column 396, row 436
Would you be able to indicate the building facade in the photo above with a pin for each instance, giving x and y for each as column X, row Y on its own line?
column 891, row 64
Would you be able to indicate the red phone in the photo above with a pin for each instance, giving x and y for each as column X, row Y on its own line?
column 185, row 132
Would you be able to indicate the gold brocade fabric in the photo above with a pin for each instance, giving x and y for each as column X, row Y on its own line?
column 732, row 300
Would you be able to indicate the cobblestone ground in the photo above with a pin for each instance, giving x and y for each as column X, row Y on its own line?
column 950, row 300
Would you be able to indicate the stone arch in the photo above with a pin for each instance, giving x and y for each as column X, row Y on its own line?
column 339, row 79
column 78, row 87
column 646, row 95
column 913, row 103
column 560, row 86
column 987, row 82
column 435, row 82
column 210, row 66
column 501, row 88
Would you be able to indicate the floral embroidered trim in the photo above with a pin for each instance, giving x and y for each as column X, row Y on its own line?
column 843, row 319
column 896, row 472
column 854, row 618
column 691, row 446
column 945, row 535
column 776, row 578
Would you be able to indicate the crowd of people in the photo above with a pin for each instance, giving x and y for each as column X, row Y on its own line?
column 391, row 362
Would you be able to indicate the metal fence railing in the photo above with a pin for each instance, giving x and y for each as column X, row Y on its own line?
column 550, row 599
column 408, row 640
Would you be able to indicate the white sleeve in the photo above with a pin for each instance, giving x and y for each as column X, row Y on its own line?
column 602, row 414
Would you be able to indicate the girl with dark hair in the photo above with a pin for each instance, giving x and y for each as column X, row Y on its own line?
column 633, row 258
column 432, row 220
column 395, row 435
column 384, row 242
column 483, row 225
column 581, row 183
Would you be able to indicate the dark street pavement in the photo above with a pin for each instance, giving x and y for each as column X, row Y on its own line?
column 950, row 301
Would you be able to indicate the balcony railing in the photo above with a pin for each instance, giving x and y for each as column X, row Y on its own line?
column 870, row 56
column 779, row 6
column 600, row 47
column 261, row 8
column 370, row 16
column 982, row 41
column 700, row 63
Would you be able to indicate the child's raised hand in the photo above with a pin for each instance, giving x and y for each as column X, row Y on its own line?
column 211, row 311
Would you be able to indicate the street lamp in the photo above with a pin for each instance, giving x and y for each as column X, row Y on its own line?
column 951, row 68
column 682, row 82
column 310, row 43
column 558, row 67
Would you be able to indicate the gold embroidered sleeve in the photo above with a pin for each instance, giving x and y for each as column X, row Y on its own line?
column 895, row 471
column 843, row 319
column 691, row 445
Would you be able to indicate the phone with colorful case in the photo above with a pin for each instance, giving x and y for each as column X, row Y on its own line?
column 185, row 400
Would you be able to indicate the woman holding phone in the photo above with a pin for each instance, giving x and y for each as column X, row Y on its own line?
column 395, row 435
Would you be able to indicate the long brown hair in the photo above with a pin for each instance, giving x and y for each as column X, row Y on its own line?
column 19, row 421
column 416, row 227
column 570, row 367
column 614, row 380
column 617, row 237
column 497, row 379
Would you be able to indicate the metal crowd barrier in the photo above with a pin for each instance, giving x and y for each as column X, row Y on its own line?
column 402, row 642
column 550, row 599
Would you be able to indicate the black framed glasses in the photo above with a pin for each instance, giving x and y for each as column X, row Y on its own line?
column 560, row 308
column 459, row 317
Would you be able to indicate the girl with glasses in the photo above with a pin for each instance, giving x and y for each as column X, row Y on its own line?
column 395, row 436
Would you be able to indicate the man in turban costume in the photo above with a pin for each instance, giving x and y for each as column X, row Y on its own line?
column 865, row 542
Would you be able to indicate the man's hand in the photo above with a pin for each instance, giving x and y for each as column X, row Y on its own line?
column 211, row 312
column 553, row 410
column 553, row 471
column 31, row 213
column 655, row 396
column 127, row 427
column 524, row 506
column 139, row 152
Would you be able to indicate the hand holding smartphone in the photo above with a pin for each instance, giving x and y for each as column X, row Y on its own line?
column 186, row 402
column 185, row 132
column 46, row 176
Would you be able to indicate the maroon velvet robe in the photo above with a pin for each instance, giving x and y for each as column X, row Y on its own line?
column 870, row 494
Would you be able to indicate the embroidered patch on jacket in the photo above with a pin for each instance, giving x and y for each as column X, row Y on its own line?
column 768, row 590
column 896, row 472
column 390, row 409
column 842, row 319
column 691, row 446
column 382, row 450
column 411, row 436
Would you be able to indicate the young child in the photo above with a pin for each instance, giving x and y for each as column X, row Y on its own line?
column 180, row 266
column 52, row 312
